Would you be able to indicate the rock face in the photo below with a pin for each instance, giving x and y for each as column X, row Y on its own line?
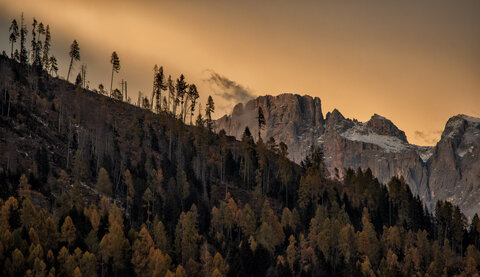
column 294, row 119
column 455, row 164
column 448, row 171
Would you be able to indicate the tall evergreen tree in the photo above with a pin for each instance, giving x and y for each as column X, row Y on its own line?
column 181, row 87
column 159, row 86
column 23, row 38
column 74, row 55
column 193, row 95
column 171, row 94
column 52, row 63
column 209, row 110
column 46, row 49
column 115, row 61
column 34, row 41
column 14, row 34
column 261, row 121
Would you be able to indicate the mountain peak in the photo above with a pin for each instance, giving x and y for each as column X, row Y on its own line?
column 383, row 126
column 457, row 125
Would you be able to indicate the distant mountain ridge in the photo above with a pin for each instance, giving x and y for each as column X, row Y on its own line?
column 448, row 171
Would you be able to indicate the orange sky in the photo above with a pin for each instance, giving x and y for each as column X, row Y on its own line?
column 414, row 62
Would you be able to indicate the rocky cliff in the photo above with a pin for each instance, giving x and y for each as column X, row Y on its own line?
column 450, row 170
column 294, row 119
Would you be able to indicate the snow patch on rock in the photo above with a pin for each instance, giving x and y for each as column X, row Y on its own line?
column 360, row 133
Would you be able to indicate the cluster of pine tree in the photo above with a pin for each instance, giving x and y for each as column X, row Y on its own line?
column 106, row 188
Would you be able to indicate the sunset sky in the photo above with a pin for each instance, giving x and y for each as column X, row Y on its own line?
column 414, row 62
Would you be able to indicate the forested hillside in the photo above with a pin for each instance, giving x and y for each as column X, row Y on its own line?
column 92, row 185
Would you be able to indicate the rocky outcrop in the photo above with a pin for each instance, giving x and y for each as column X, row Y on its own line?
column 376, row 144
column 294, row 119
column 455, row 164
column 450, row 170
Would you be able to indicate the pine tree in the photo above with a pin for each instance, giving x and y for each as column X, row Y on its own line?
column 14, row 34
column 115, row 61
column 171, row 95
column 158, row 85
column 74, row 55
column 46, row 49
column 34, row 41
column 181, row 88
column 78, row 80
column 209, row 110
column 53, row 65
column 23, row 38
column 193, row 95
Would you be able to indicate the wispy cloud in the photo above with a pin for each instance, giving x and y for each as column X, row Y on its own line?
column 430, row 137
column 229, row 90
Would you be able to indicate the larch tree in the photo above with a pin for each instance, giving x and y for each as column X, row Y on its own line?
column 114, row 246
column 160, row 235
column 187, row 238
column 115, row 61
column 103, row 182
column 148, row 199
column 141, row 252
column 74, row 56
column 23, row 186
column 14, row 34
column 68, row 232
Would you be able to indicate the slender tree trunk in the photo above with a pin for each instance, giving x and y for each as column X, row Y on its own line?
column 185, row 110
column 11, row 54
column 69, row 68
column 111, row 83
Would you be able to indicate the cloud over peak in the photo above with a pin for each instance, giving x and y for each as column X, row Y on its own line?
column 227, row 89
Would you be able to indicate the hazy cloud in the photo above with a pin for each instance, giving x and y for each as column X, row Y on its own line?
column 430, row 137
column 229, row 90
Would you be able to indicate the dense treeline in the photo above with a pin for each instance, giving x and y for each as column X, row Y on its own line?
column 106, row 188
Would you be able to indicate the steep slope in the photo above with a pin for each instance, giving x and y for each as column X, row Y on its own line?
column 450, row 170
column 44, row 121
